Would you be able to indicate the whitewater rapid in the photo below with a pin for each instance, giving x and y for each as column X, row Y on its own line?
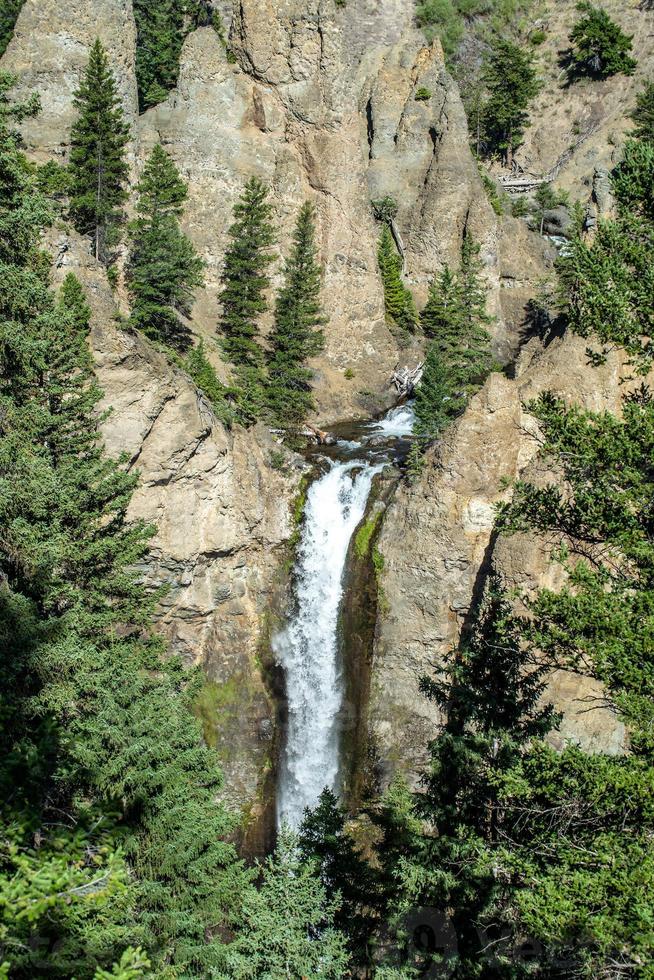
column 308, row 647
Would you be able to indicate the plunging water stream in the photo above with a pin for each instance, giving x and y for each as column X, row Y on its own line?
column 308, row 647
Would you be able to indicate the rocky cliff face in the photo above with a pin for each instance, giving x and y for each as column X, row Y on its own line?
column 438, row 546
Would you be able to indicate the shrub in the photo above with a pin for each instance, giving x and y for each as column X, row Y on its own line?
column 600, row 47
column 423, row 94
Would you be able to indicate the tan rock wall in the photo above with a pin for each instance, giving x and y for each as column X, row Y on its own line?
column 438, row 543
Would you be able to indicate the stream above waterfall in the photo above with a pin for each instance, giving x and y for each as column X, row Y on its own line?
column 308, row 647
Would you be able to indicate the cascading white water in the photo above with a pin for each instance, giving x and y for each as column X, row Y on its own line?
column 308, row 646
column 396, row 423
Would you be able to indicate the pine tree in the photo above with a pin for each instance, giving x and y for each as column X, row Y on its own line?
column 512, row 83
column 245, row 277
column 606, row 286
column 600, row 47
column 98, row 167
column 324, row 839
column 435, row 403
column 296, row 335
column 288, row 930
column 459, row 357
column 442, row 305
column 490, row 696
column 163, row 268
column 643, row 114
column 398, row 301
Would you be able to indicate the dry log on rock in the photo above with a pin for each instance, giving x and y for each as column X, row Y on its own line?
column 406, row 379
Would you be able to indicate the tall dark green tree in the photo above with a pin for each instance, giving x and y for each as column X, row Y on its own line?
column 245, row 282
column 443, row 304
column 512, row 84
column 98, row 165
column 599, row 47
column 490, row 698
column 297, row 333
column 163, row 268
column 324, row 840
column 459, row 355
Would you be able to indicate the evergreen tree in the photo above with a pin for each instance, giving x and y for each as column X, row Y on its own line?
column 204, row 375
column 643, row 114
column 512, row 83
column 245, row 277
column 289, row 923
column 324, row 839
column 459, row 357
column 98, row 166
column 296, row 335
column 163, row 268
column 442, row 306
column 586, row 849
column 606, row 286
column 600, row 47
column 398, row 301
column 633, row 180
column 243, row 298
column 490, row 698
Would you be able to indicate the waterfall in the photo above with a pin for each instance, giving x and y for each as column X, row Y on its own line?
column 308, row 647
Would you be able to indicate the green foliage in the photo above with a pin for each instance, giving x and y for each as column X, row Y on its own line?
column 163, row 268
column 245, row 279
column 440, row 18
column 8, row 16
column 385, row 209
column 492, row 192
column 592, row 868
column 324, row 840
column 606, row 285
column 458, row 357
column 511, row 81
column 289, row 923
column 398, row 301
column 162, row 27
column 53, row 180
column 118, row 840
column 365, row 534
column 545, row 199
column 423, row 94
column 451, row 834
column 600, row 48
column 133, row 965
column 98, row 167
column 204, row 375
column 297, row 333
column 643, row 114
column 633, row 180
